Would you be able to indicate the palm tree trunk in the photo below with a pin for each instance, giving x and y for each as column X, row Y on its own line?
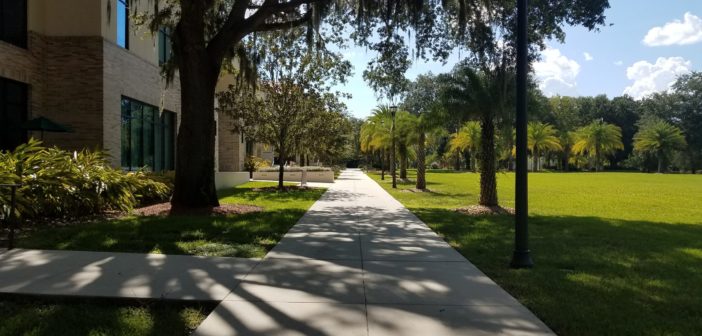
column 457, row 162
column 421, row 164
column 382, row 164
column 661, row 158
column 535, row 160
column 403, row 166
column 488, row 178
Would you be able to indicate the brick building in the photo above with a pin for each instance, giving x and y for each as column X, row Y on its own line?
column 84, row 64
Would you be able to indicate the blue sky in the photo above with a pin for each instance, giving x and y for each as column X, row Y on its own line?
column 649, row 43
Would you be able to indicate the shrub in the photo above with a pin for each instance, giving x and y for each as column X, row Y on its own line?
column 254, row 163
column 57, row 183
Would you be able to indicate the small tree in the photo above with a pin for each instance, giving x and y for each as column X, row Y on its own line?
column 292, row 96
column 467, row 139
column 659, row 138
column 541, row 137
column 254, row 163
column 598, row 139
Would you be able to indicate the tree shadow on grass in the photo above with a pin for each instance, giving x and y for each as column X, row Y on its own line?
column 593, row 275
column 37, row 315
column 245, row 235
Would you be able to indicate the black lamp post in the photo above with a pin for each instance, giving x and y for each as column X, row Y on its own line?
column 521, row 257
column 393, row 109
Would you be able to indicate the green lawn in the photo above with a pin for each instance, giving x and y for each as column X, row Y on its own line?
column 615, row 253
column 34, row 316
column 247, row 235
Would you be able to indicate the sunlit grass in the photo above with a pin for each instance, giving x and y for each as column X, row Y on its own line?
column 615, row 253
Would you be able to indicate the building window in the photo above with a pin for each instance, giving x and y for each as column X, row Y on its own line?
column 13, row 22
column 148, row 139
column 164, row 45
column 249, row 148
column 13, row 113
column 123, row 24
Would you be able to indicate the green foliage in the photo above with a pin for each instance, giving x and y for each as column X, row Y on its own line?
column 255, row 163
column 660, row 138
column 56, row 183
column 541, row 137
column 598, row 139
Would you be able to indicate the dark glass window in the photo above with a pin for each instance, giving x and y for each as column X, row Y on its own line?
column 123, row 24
column 13, row 22
column 13, row 113
column 164, row 45
column 148, row 139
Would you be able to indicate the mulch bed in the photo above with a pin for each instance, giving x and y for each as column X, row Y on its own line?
column 164, row 209
column 481, row 210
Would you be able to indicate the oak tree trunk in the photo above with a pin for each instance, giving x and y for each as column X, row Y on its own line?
column 421, row 164
column 488, row 178
column 195, row 147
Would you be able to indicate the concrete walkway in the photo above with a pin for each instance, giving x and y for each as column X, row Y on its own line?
column 359, row 263
column 120, row 275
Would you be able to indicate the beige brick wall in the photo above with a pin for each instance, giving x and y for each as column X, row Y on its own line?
column 72, row 93
column 126, row 74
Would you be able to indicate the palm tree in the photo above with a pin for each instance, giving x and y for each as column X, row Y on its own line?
column 541, row 137
column 597, row 139
column 467, row 139
column 660, row 138
column 484, row 94
column 406, row 134
column 376, row 135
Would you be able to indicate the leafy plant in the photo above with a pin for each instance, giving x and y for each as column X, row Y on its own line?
column 254, row 163
column 57, row 183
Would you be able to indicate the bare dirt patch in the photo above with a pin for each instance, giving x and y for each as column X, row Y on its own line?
column 164, row 209
column 481, row 210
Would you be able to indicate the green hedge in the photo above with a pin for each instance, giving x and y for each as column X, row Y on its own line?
column 57, row 183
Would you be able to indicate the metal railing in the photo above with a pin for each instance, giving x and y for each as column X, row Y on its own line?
column 11, row 219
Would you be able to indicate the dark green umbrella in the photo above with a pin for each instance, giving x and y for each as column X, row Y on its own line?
column 44, row 124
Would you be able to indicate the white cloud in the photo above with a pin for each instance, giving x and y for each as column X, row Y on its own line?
column 557, row 73
column 588, row 57
column 650, row 78
column 619, row 63
column 687, row 31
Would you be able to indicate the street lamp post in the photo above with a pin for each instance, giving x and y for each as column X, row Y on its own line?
column 393, row 109
column 522, row 256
